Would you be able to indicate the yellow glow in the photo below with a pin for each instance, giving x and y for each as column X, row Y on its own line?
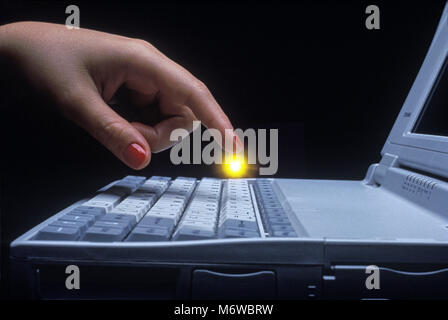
column 235, row 167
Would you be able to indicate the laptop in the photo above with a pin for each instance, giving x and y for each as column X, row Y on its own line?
column 385, row 237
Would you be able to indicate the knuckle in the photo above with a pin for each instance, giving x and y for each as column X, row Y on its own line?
column 137, row 46
column 186, row 113
column 110, row 131
column 197, row 91
column 212, row 122
column 141, row 43
column 199, row 87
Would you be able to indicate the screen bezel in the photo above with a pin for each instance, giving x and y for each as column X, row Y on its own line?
column 429, row 100
column 422, row 151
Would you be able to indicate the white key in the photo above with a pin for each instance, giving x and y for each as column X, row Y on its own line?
column 198, row 224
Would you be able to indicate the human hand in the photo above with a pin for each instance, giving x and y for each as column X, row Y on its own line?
column 81, row 71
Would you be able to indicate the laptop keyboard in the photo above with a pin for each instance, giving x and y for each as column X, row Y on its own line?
column 161, row 209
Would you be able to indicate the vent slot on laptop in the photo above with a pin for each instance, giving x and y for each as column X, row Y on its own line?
column 418, row 186
column 431, row 178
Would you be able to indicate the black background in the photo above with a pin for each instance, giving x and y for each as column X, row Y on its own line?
column 310, row 69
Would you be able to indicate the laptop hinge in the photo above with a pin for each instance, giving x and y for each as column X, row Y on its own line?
column 376, row 173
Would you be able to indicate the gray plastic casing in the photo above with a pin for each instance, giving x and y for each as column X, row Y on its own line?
column 425, row 152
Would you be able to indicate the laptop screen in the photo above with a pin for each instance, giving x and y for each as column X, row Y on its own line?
column 434, row 117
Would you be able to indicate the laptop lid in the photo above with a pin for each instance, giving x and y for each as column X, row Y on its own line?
column 419, row 137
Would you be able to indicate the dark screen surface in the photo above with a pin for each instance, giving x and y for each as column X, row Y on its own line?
column 434, row 117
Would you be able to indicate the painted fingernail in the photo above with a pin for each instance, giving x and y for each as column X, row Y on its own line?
column 239, row 147
column 134, row 155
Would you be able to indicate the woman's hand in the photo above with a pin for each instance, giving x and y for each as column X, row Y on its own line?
column 81, row 71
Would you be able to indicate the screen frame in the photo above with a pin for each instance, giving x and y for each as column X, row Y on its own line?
column 443, row 72
column 422, row 151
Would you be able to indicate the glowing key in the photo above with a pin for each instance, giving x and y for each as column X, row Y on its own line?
column 235, row 167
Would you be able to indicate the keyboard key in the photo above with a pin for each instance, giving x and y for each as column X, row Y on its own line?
column 119, row 218
column 187, row 178
column 94, row 211
column 156, row 187
column 161, row 214
column 126, row 186
column 240, row 224
column 276, row 215
column 160, row 178
column 99, row 234
column 197, row 225
column 58, row 233
column 134, row 178
column 89, row 220
column 287, row 234
column 105, row 200
column 287, row 227
column 204, row 218
column 149, row 234
column 238, row 217
column 151, row 221
column 137, row 204
column 193, row 233
column 278, row 221
column 143, row 196
column 70, row 224
column 82, row 213
column 107, row 197
column 274, row 211
column 114, row 224
column 136, row 212
column 239, row 233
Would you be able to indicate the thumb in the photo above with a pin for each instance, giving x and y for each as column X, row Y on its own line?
column 90, row 112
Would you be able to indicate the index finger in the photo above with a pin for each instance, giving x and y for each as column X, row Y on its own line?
column 154, row 71
column 209, row 112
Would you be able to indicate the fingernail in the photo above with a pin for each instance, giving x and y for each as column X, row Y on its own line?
column 232, row 142
column 239, row 147
column 134, row 155
column 229, row 141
